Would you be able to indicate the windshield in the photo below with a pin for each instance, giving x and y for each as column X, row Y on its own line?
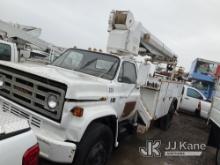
column 96, row 64
column 200, row 85
column 205, row 68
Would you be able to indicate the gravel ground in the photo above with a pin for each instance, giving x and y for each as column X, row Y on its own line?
column 184, row 128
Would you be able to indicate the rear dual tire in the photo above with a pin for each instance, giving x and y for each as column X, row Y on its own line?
column 165, row 122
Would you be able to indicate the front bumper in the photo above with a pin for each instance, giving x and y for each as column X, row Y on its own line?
column 52, row 145
column 55, row 150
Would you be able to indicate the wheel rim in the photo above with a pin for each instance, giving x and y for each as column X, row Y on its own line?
column 97, row 154
column 218, row 158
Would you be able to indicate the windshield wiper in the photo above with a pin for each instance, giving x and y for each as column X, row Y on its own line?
column 102, row 74
column 88, row 63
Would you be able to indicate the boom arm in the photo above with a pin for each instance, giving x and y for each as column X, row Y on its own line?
column 128, row 36
column 26, row 35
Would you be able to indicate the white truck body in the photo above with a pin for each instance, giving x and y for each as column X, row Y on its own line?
column 86, row 88
column 157, row 101
column 214, row 120
column 16, row 138
column 215, row 108
column 215, row 111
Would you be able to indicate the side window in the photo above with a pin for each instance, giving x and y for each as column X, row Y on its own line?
column 127, row 73
column 193, row 93
column 5, row 52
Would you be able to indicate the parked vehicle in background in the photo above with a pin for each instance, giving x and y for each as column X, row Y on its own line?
column 203, row 74
column 194, row 101
column 18, row 144
column 19, row 43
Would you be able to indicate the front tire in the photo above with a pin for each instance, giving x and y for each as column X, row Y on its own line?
column 96, row 146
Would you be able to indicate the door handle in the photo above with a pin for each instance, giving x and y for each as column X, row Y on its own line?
column 186, row 98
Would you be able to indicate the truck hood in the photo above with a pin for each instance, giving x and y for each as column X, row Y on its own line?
column 80, row 86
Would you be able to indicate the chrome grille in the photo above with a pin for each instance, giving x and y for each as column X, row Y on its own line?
column 32, row 91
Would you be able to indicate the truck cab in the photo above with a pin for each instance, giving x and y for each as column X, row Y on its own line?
column 203, row 74
column 78, row 93
column 83, row 94
column 8, row 51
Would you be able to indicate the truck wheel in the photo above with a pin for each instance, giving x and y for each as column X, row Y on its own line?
column 96, row 146
column 165, row 121
column 217, row 157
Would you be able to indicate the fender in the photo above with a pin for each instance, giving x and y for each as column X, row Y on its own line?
column 76, row 126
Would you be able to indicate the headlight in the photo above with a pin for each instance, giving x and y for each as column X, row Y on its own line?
column 52, row 101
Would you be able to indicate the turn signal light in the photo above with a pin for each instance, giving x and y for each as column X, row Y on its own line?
column 77, row 111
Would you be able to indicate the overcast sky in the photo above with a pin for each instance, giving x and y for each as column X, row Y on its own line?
column 191, row 28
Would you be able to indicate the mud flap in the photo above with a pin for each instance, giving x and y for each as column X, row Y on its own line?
column 143, row 113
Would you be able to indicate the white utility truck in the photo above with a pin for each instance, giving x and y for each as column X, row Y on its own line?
column 79, row 104
column 19, row 43
column 18, row 144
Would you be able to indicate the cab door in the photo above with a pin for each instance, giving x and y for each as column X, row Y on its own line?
column 127, row 91
column 190, row 100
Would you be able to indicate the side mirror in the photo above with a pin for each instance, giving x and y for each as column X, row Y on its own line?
column 25, row 53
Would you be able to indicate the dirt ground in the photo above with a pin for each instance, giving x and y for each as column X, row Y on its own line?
column 184, row 128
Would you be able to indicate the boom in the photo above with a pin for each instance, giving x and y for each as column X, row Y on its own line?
column 26, row 36
column 128, row 36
